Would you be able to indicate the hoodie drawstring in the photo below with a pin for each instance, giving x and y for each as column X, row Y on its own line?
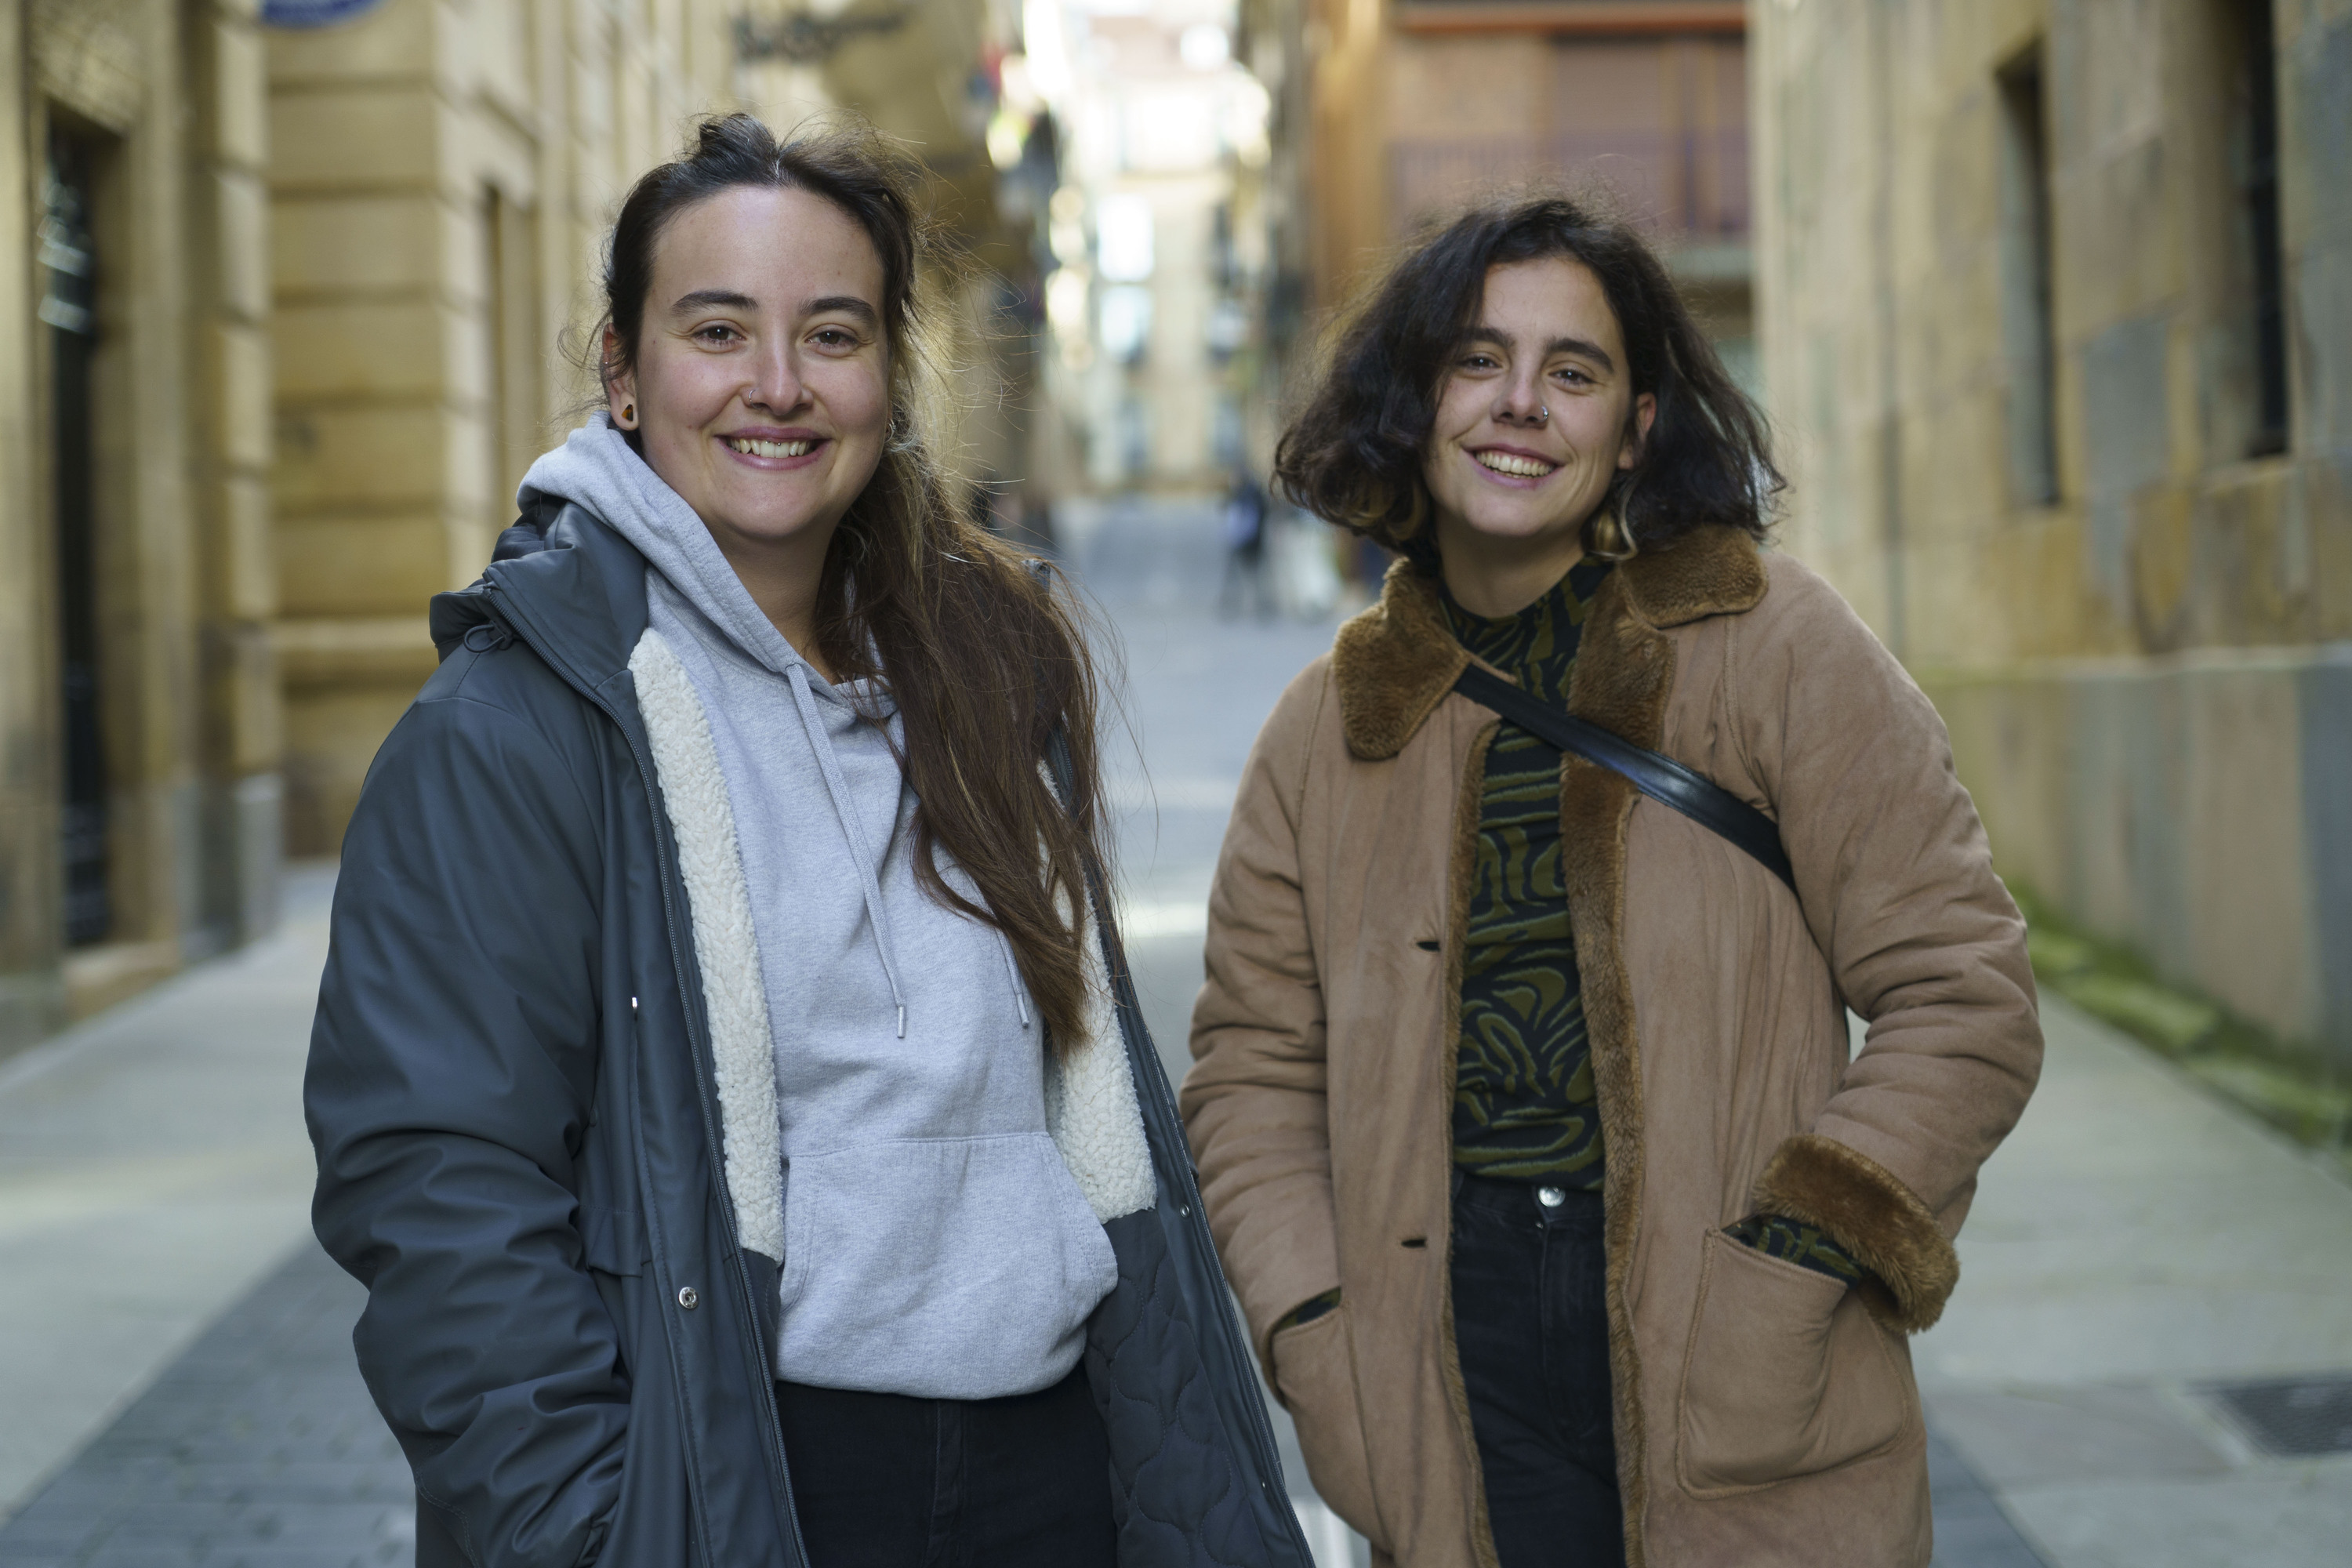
column 820, row 741
column 1012, row 974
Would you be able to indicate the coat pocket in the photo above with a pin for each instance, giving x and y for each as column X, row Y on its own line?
column 612, row 1241
column 1786, row 1374
column 1315, row 1374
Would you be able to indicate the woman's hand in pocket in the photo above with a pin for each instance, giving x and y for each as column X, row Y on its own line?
column 1786, row 1374
column 1314, row 1376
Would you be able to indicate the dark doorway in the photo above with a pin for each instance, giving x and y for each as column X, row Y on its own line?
column 68, row 308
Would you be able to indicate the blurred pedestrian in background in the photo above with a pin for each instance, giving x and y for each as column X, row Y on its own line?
column 718, row 1081
column 1245, row 528
column 1564, row 1225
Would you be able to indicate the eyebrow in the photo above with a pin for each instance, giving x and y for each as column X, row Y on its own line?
column 1563, row 345
column 712, row 298
column 727, row 300
column 848, row 304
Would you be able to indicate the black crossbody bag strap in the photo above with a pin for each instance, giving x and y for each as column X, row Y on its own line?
column 1661, row 778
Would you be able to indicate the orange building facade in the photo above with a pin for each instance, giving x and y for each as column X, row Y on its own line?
column 1414, row 108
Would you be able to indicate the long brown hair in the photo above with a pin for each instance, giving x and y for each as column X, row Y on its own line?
column 1353, row 455
column 983, row 658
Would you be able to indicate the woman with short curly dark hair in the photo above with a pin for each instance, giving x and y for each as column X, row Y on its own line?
column 1522, row 1098
column 1354, row 454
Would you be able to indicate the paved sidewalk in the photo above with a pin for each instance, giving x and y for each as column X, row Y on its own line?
column 152, row 1167
column 257, row 1448
column 2137, row 1247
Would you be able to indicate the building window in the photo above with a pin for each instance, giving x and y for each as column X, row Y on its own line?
column 2257, row 173
column 2029, row 339
column 68, row 310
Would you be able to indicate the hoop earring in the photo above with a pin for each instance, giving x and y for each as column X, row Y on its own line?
column 1418, row 517
column 1607, row 538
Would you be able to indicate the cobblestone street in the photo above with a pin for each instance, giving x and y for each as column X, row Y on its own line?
column 258, row 1447
column 175, row 1366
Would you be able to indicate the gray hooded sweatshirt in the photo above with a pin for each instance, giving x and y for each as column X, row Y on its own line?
column 935, row 1243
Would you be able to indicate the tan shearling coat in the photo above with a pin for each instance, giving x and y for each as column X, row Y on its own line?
column 1765, row 1414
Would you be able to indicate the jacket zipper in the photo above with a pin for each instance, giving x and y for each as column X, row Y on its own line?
column 508, row 612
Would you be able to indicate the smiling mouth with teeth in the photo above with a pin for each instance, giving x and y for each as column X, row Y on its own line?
column 1511, row 463
column 752, row 449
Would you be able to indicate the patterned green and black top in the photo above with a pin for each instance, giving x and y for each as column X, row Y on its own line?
column 1524, row 1107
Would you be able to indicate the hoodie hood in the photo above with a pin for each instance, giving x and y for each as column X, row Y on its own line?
column 597, row 468
column 695, row 595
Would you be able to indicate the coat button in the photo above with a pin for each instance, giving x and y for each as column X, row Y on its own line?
column 1550, row 1197
column 689, row 1299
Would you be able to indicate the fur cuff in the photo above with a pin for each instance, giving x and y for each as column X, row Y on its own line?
column 1820, row 1182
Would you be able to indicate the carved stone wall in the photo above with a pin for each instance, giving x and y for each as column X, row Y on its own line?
column 2140, row 631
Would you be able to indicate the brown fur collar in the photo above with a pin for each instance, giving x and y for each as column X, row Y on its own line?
column 1395, row 662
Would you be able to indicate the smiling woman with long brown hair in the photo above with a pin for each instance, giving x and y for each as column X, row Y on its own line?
column 1565, row 1226
column 723, row 1080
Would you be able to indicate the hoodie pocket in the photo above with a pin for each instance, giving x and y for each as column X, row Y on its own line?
column 1786, row 1374
column 948, row 1269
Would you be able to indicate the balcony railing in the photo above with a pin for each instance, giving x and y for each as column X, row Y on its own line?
column 1688, row 185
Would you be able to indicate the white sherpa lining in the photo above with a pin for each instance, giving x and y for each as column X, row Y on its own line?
column 1090, row 1105
column 693, row 792
column 1091, row 1109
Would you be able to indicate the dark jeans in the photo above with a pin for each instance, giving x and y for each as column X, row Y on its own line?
column 882, row 1480
column 1531, row 1327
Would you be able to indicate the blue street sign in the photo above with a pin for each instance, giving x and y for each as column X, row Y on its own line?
column 314, row 13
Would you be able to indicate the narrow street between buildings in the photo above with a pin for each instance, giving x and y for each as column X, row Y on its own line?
column 2151, row 1318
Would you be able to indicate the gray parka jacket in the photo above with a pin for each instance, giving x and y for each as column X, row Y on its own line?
column 512, row 1097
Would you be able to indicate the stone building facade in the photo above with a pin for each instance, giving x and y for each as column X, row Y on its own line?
column 139, row 750
column 291, row 309
column 1414, row 108
column 442, row 174
column 2056, row 307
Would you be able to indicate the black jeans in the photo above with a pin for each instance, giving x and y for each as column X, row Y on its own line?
column 1532, row 1330
column 882, row 1480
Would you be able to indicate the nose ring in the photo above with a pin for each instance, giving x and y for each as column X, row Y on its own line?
column 1543, row 416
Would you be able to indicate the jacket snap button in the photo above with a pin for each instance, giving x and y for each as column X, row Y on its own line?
column 689, row 1299
column 1550, row 1197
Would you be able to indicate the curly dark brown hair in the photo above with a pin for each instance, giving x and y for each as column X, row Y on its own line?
column 1353, row 454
